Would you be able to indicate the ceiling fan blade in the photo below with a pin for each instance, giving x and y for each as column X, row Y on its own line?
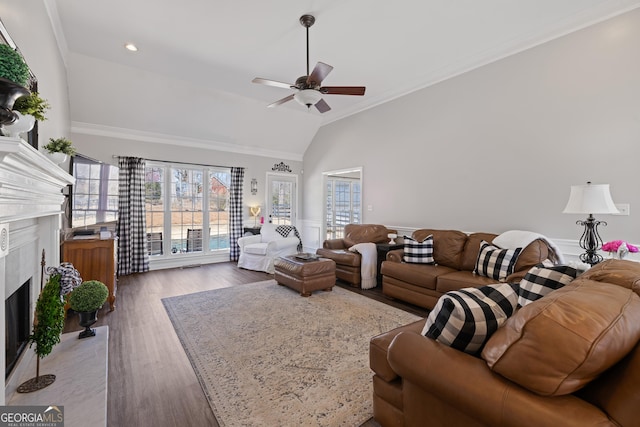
column 281, row 101
column 274, row 83
column 343, row 90
column 322, row 106
column 318, row 74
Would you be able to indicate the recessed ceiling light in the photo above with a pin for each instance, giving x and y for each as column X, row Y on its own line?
column 132, row 47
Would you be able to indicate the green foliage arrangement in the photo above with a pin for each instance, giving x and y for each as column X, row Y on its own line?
column 12, row 66
column 60, row 145
column 49, row 319
column 89, row 296
column 32, row 104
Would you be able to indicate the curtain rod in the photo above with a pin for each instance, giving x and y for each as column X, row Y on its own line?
column 179, row 163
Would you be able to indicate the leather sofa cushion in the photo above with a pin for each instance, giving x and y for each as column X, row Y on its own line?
column 532, row 254
column 379, row 345
column 461, row 279
column 471, row 249
column 341, row 256
column 558, row 344
column 422, row 275
column 447, row 245
column 619, row 272
column 363, row 233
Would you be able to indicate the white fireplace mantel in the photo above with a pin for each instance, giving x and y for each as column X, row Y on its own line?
column 30, row 184
column 31, row 201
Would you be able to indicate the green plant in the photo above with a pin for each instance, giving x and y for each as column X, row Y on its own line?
column 89, row 296
column 49, row 318
column 12, row 65
column 60, row 145
column 32, row 104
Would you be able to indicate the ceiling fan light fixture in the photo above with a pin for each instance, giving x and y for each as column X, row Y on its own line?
column 308, row 97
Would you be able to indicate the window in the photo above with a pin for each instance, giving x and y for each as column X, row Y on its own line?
column 95, row 193
column 342, row 205
column 186, row 209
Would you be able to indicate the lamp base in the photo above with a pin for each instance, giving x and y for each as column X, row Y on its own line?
column 590, row 241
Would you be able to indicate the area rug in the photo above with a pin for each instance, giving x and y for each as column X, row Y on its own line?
column 265, row 356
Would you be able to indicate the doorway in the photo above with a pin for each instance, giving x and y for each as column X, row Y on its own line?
column 282, row 205
column 342, row 197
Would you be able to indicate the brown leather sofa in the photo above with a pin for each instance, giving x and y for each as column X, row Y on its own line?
column 583, row 361
column 347, row 262
column 455, row 254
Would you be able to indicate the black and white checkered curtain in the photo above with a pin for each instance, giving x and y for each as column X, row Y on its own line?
column 131, row 227
column 235, row 212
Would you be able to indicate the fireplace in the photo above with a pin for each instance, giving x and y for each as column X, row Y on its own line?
column 17, row 317
column 30, row 221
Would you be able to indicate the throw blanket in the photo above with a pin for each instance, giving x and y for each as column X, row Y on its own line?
column 519, row 239
column 285, row 230
column 368, row 264
column 69, row 277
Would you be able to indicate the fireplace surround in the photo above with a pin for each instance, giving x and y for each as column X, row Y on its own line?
column 31, row 201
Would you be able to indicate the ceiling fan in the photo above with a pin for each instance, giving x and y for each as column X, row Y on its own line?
column 308, row 88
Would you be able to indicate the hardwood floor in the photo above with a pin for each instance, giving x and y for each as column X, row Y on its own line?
column 151, row 382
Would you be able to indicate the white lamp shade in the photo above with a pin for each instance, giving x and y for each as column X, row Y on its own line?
column 308, row 97
column 590, row 199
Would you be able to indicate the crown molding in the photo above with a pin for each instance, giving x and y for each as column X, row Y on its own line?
column 178, row 141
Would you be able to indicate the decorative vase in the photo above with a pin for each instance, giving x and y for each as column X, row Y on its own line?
column 57, row 157
column 86, row 319
column 24, row 123
column 9, row 93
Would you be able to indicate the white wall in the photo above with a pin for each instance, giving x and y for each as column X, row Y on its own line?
column 498, row 148
column 30, row 28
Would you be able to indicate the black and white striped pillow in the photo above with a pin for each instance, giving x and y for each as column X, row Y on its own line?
column 418, row 252
column 495, row 262
column 465, row 319
column 540, row 280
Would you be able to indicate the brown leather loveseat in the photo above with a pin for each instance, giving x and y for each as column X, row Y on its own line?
column 455, row 254
column 571, row 358
column 348, row 263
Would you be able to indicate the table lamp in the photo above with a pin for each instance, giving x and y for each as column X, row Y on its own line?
column 254, row 211
column 590, row 199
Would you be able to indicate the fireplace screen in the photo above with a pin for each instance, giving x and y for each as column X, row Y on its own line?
column 17, row 325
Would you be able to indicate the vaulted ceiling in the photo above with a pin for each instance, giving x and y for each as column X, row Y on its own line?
column 190, row 79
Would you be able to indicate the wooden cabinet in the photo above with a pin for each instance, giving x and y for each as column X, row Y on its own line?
column 95, row 259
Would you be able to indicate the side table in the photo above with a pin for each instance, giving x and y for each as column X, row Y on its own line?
column 383, row 249
column 248, row 231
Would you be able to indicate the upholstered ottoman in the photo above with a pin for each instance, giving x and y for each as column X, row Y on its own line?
column 305, row 276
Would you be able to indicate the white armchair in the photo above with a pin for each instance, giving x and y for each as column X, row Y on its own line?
column 258, row 252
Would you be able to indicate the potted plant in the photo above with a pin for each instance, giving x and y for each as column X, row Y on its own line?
column 32, row 105
column 14, row 74
column 86, row 300
column 47, row 327
column 59, row 149
column 28, row 109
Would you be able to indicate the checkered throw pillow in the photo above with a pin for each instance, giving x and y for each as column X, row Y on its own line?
column 465, row 319
column 495, row 262
column 418, row 252
column 541, row 280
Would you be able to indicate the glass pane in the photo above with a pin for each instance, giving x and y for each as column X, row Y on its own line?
column 281, row 192
column 218, row 210
column 94, row 171
column 186, row 210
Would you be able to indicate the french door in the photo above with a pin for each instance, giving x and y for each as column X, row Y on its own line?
column 281, row 193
